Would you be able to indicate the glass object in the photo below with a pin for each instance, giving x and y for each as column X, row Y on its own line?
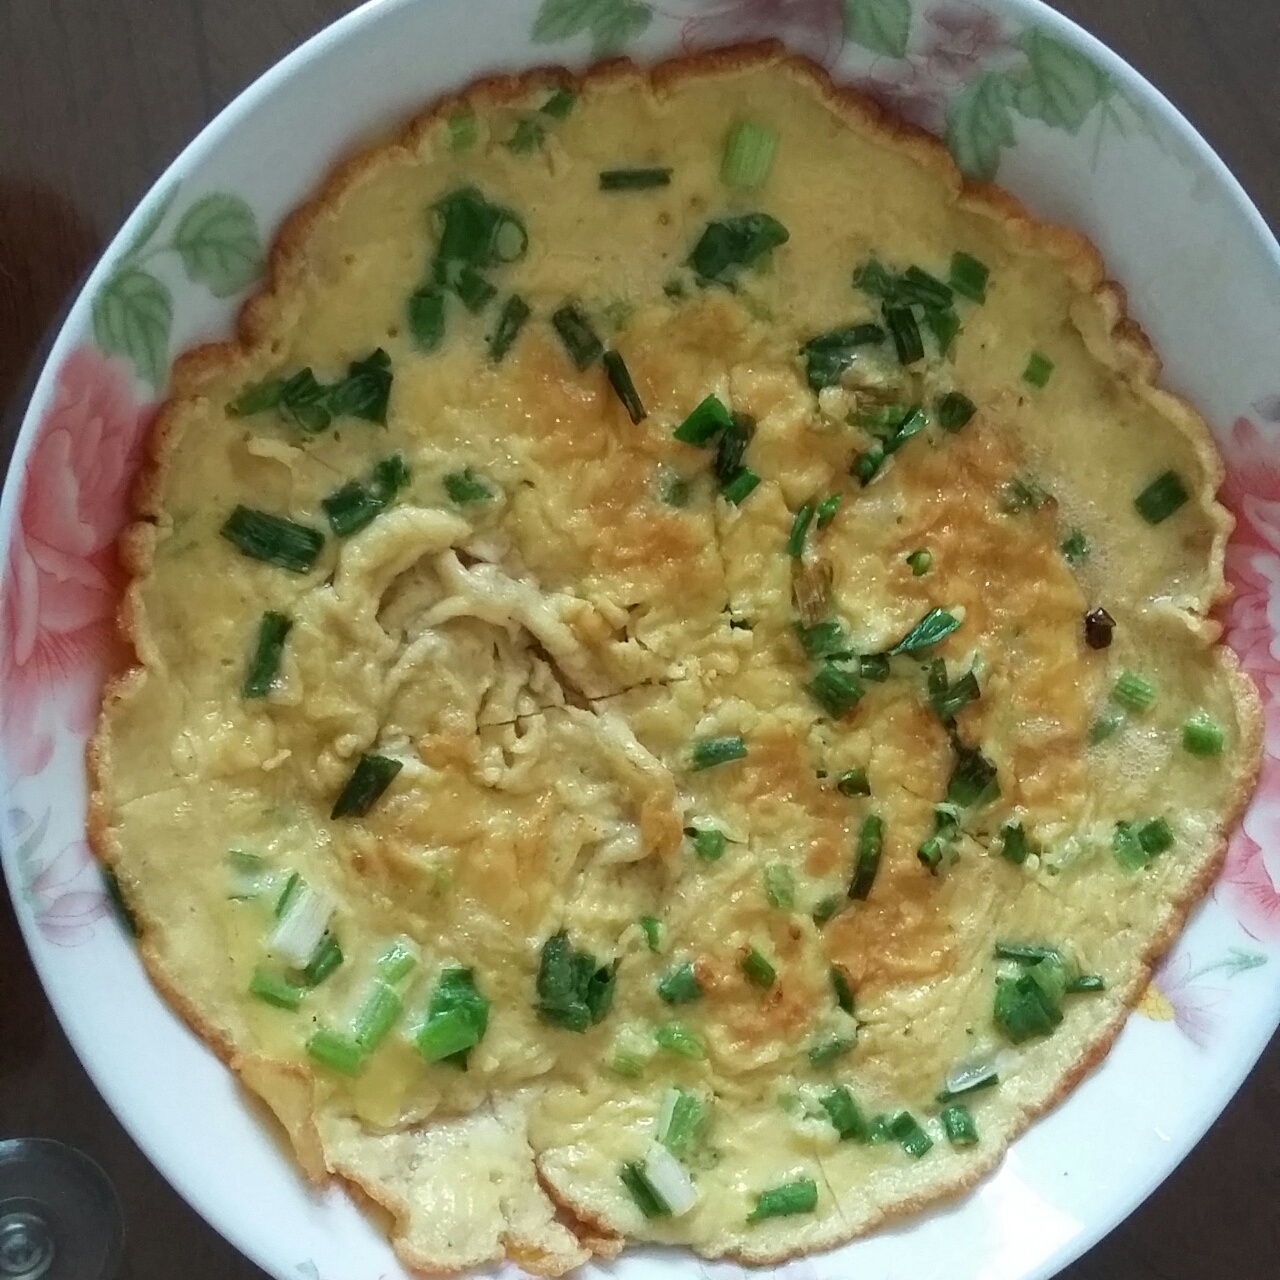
column 60, row 1217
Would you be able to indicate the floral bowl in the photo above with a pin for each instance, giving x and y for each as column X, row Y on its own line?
column 1020, row 95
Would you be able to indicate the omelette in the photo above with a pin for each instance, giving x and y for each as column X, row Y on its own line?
column 676, row 694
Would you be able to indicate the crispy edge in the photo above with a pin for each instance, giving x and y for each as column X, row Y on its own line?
column 1130, row 354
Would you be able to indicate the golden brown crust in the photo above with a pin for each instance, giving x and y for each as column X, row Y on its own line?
column 1128, row 352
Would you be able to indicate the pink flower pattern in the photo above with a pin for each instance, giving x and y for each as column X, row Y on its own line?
column 812, row 27
column 62, row 580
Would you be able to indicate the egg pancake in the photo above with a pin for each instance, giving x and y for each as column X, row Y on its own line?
column 676, row 694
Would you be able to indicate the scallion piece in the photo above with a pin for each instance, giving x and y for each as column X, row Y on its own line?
column 326, row 958
column 827, row 509
column 948, row 700
column 934, row 627
column 681, row 1120
column 740, row 486
column 748, row 155
column 273, row 539
column 250, row 875
column 651, row 927
column 1026, row 952
column 275, row 989
column 800, row 1196
column 1161, row 498
column 730, row 245
column 867, row 464
column 1086, row 984
column 1015, row 845
column 257, row 398
column 944, row 324
column 579, row 338
column 905, row 332
column 1023, row 1009
column 1104, row 726
column 841, row 989
column 707, row 753
column 1134, row 693
column 732, row 447
column 757, row 969
column 708, row 419
column 1202, row 735
column 844, row 1113
column 915, row 286
column 780, row 886
column 853, row 782
column 337, row 1052
column 799, row 528
column 828, row 355
column 630, row 1053
column 474, row 290
column 826, row 639
column 425, row 312
column 268, row 649
column 870, row 847
column 676, row 1038
column 379, row 1013
column 620, row 380
column 1039, row 370
column 911, row 1137
column 1127, row 847
column 973, row 780
column 465, row 487
column 835, row 690
column 967, row 1079
column 372, row 775
column 645, row 179
column 969, row 276
column 874, row 278
column 462, row 130
column 874, row 666
column 958, row 1125
column 515, row 311
column 446, row 1034
column 1155, row 836
column 668, row 1181
column 527, row 137
column 292, row 887
column 304, row 402
column 300, row 931
column 826, row 909
column 559, row 104
column 822, row 1053
column 646, row 1198
column 931, row 852
column 708, row 842
column 920, row 562
column 1075, row 546
column 680, row 985
column 457, row 1019
column 356, row 505
column 397, row 961
column 574, row 990
column 954, row 411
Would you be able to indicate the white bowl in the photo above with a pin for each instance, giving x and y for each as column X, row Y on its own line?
column 1023, row 96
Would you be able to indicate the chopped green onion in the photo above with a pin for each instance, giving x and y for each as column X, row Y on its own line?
column 273, row 539
column 824, row 1052
column 826, row 909
column 905, row 332
column 873, row 278
column 708, row 842
column 911, row 1137
column 426, row 314
column 680, row 985
column 944, row 325
column 356, row 505
column 800, row 1196
column 249, row 874
column 372, row 775
column 835, row 690
column 620, row 380
column 948, row 700
column 1075, row 546
column 954, row 411
column 365, row 391
column 634, row 179
column 681, row 1121
column 826, row 639
column 958, row 1125
column 708, row 419
column 326, row 958
column 799, row 528
column 397, row 961
column 465, row 487
column 920, row 561
column 474, row 290
column 931, row 852
column 559, row 104
column 1039, row 369
column 379, row 1013
column 706, row 753
column 300, row 931
column 1026, row 952
column 733, row 244
column 515, row 311
column 668, row 1181
column 915, row 421
column 874, row 666
column 447, row 1034
column 1134, row 693
column 1015, row 846
column 1022, row 493
column 527, row 137
column 1104, row 726
column 967, row 1079
column 748, row 155
column 257, row 398
column 646, row 1198
column 630, row 1053
column 457, row 1018
column 579, row 338
column 1202, row 735
column 337, row 1052
column 675, row 490
column 1127, row 847
column 969, row 276
column 780, row 886
column 867, row 464
column 462, row 130
column 1023, row 1009
column 275, row 989
column 1155, row 836
column 732, row 447
column 853, row 782
column 934, row 627
column 574, row 991
column 268, row 649
column 757, row 969
column 676, row 1038
column 845, row 1114
column 841, row 989
column 870, row 847
column 304, row 402
column 740, row 486
column 1086, row 984
column 828, row 355
column 827, row 509
column 916, row 286
column 288, row 895
column 973, row 779
column 1161, row 498
column 651, row 926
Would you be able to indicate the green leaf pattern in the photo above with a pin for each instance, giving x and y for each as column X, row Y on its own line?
column 610, row 23
column 216, row 241
column 980, row 124
column 883, row 26
column 1058, row 85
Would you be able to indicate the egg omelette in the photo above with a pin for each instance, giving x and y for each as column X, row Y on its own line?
column 676, row 693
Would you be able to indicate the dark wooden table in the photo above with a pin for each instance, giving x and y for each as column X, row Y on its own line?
column 96, row 96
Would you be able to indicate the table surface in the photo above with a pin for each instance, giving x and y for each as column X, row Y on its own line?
column 96, row 97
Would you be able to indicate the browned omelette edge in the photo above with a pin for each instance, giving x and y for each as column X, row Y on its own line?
column 1130, row 354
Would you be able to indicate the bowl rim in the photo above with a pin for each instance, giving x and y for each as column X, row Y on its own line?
column 225, row 123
